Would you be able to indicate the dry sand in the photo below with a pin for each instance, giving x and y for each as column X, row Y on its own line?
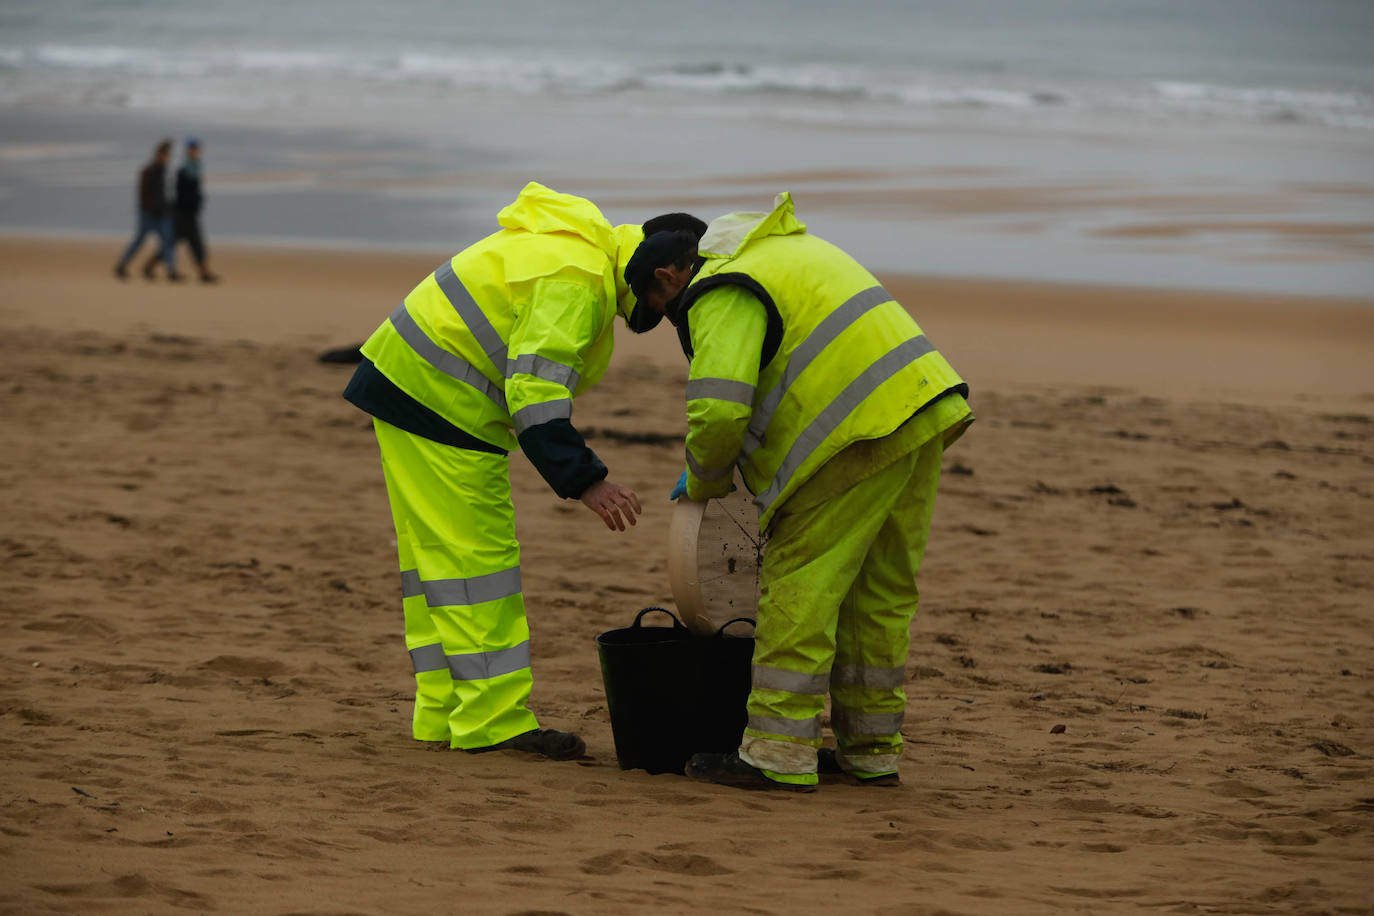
column 1159, row 536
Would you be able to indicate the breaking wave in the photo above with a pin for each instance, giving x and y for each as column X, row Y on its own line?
column 264, row 75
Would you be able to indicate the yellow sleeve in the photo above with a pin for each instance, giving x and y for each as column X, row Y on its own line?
column 728, row 326
column 552, row 332
column 555, row 327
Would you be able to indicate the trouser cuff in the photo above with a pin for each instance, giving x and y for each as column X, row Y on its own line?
column 868, row 764
column 778, row 757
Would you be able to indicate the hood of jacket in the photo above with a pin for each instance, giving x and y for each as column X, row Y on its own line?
column 541, row 209
column 729, row 233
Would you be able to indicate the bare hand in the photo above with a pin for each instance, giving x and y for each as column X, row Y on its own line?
column 615, row 504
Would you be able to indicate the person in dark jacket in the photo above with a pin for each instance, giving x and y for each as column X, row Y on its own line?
column 154, row 216
column 186, row 209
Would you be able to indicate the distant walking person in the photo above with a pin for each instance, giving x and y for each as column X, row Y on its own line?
column 153, row 216
column 186, row 210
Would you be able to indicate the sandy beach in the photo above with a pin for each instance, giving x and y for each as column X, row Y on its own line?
column 1159, row 536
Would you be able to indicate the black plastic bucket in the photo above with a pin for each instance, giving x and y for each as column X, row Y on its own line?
column 672, row 694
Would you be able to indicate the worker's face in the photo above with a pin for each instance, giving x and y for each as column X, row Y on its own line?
column 668, row 283
column 193, row 152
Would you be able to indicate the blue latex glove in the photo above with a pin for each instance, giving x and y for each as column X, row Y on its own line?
column 680, row 489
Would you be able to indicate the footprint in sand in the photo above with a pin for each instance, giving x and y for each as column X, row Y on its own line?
column 689, row 864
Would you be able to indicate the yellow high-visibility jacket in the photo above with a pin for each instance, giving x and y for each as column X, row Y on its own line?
column 502, row 336
column 841, row 361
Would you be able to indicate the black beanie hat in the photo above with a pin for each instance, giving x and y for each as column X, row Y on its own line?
column 673, row 222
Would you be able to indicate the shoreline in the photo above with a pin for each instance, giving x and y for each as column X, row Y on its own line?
column 1004, row 333
column 1208, row 209
column 322, row 244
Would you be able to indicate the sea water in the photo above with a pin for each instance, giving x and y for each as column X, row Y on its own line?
column 1151, row 141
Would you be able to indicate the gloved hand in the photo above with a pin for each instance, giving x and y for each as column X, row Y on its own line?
column 680, row 489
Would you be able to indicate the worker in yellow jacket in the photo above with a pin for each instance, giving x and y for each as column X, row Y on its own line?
column 485, row 354
column 823, row 391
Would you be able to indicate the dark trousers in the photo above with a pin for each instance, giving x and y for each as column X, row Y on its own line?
column 154, row 223
column 188, row 229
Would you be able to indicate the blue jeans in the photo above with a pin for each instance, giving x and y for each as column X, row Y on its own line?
column 162, row 225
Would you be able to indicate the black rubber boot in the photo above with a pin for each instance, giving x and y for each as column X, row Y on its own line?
column 545, row 742
column 729, row 770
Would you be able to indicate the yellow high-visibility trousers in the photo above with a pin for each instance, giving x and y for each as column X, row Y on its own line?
column 838, row 592
column 465, row 622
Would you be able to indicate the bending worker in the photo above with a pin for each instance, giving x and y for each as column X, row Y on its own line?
column 824, row 392
column 487, row 352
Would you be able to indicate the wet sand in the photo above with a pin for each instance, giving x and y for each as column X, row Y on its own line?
column 1210, row 206
column 1158, row 535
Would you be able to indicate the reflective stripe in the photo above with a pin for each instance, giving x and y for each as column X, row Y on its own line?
column 790, row 681
column 721, row 389
column 474, row 589
column 446, row 361
column 428, row 658
column 478, row 666
column 829, row 419
column 704, row 473
column 864, row 676
column 806, row 352
column 792, row 728
column 852, row 722
column 411, row 586
column 535, row 414
column 545, row 368
column 478, row 324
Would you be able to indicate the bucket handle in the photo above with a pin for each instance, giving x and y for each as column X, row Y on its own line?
column 677, row 624
column 748, row 620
